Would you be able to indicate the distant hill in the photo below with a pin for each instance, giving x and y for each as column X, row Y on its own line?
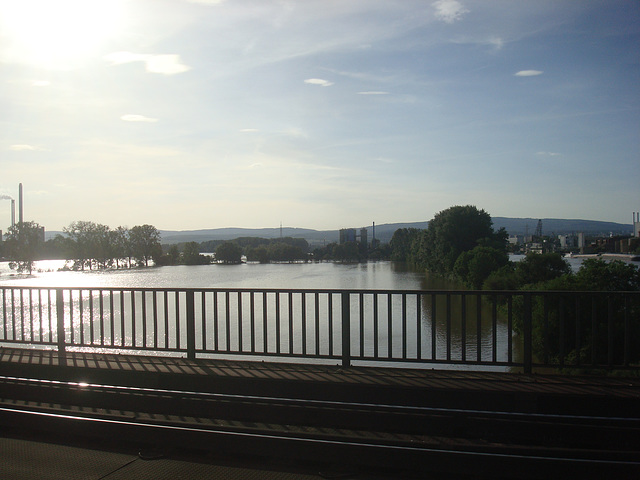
column 384, row 232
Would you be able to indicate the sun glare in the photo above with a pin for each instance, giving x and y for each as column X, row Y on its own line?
column 56, row 34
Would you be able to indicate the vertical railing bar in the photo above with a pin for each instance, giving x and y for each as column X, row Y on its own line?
column 166, row 319
column 13, row 314
column 112, row 319
column 527, row 327
column 203, row 318
column 278, row 323
column 317, row 322
column 547, row 349
column 594, row 330
column 122, row 326
column 41, row 330
column 253, row 322
column 178, row 333
column 448, row 326
column 31, row 315
column 133, row 318
column 376, row 337
column 143, row 294
column 60, row 319
column 346, row 329
column 494, row 326
column 154, row 306
column 404, row 326
column 228, row 321
column 72, row 329
column 610, row 331
column 216, row 326
column 4, row 313
column 419, row 326
column 22, row 314
column 434, row 343
column 101, row 304
column 81, row 315
column 478, row 327
column 191, row 324
column 627, row 330
column 290, row 302
column 304, row 323
column 361, row 322
column 92, row 333
column 389, row 326
column 265, row 330
column 330, row 318
column 463, row 327
column 561, row 332
column 578, row 330
column 510, row 329
column 240, row 342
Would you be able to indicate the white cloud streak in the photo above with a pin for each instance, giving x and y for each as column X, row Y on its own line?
column 449, row 11
column 318, row 81
column 24, row 148
column 373, row 93
column 138, row 118
column 163, row 64
column 528, row 73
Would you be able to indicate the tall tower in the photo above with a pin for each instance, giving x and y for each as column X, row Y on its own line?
column 20, row 207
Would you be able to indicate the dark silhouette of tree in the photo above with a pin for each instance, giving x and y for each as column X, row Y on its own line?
column 229, row 252
column 23, row 243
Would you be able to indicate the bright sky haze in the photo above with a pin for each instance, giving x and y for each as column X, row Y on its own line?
column 326, row 114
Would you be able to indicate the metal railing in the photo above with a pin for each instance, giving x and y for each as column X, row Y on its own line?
column 518, row 329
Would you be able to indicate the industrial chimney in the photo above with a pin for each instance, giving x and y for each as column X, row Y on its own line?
column 20, row 207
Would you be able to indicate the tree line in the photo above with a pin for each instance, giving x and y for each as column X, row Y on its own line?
column 461, row 244
column 85, row 245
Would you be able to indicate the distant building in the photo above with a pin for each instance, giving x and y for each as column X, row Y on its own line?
column 347, row 235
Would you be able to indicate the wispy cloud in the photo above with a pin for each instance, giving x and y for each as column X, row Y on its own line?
column 548, row 154
column 528, row 73
column 25, row 148
column 373, row 93
column 318, row 81
column 249, row 130
column 163, row 64
column 138, row 118
column 449, row 11
column 207, row 2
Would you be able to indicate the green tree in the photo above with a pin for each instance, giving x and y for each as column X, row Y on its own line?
column 23, row 243
column 80, row 242
column 145, row 243
column 554, row 328
column 535, row 268
column 473, row 267
column 402, row 243
column 191, row 255
column 258, row 254
column 229, row 253
column 451, row 232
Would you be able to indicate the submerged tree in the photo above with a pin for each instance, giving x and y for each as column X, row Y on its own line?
column 23, row 241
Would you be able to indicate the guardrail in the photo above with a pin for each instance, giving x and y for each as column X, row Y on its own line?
column 518, row 329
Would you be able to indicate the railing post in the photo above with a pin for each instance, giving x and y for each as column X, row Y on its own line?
column 527, row 330
column 346, row 329
column 60, row 320
column 191, row 325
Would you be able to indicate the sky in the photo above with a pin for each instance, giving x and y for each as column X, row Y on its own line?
column 324, row 114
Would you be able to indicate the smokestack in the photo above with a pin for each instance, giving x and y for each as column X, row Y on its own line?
column 20, row 207
column 13, row 212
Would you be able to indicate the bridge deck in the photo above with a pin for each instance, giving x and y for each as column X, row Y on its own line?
column 425, row 387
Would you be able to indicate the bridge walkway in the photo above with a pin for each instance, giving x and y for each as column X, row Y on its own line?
column 416, row 418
